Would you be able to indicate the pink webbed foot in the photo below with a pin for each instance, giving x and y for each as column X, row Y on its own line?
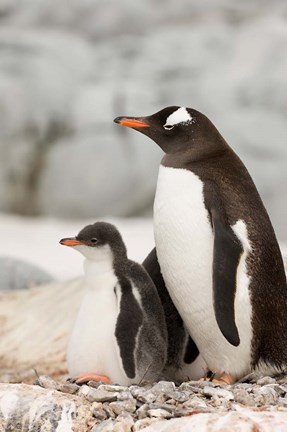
column 84, row 378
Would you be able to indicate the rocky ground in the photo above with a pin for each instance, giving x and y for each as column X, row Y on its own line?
column 137, row 407
column 254, row 405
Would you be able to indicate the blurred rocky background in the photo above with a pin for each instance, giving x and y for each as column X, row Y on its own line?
column 68, row 68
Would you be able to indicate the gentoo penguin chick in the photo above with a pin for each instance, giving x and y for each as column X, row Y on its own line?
column 216, row 246
column 120, row 334
column 184, row 363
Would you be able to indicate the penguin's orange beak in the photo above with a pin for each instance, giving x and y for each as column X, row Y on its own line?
column 131, row 122
column 71, row 241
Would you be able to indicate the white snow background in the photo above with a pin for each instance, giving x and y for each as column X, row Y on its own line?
column 36, row 240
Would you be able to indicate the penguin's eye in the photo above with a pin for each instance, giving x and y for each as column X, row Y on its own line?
column 94, row 240
column 168, row 127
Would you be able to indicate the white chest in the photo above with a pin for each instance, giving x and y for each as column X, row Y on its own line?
column 183, row 236
column 184, row 242
column 92, row 346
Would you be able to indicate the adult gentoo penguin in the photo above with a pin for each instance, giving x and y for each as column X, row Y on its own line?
column 216, row 246
column 119, row 335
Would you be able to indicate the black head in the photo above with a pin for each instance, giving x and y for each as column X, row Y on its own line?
column 178, row 129
column 98, row 239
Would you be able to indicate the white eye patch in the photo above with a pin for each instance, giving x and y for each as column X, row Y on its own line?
column 181, row 115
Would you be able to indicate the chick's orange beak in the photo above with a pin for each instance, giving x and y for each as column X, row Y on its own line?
column 131, row 122
column 72, row 241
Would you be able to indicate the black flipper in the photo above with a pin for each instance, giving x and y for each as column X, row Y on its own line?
column 226, row 256
column 129, row 321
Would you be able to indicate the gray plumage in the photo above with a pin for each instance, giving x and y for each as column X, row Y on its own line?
column 139, row 324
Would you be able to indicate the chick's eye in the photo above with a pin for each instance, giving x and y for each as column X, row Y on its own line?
column 94, row 240
column 168, row 127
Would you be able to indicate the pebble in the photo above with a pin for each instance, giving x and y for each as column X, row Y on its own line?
column 124, row 423
column 163, row 387
column 98, row 411
column 243, row 397
column 146, row 396
column 97, row 395
column 144, row 423
column 84, row 390
column 159, row 412
column 142, row 411
column 245, row 386
column 100, row 414
column 266, row 395
column 216, row 392
column 109, row 410
column 105, row 426
column 94, row 384
column 266, row 380
column 135, row 390
column 192, row 387
column 124, row 409
column 128, row 405
column 68, row 388
column 47, row 382
column 166, row 407
column 172, row 402
column 195, row 402
column 179, row 396
column 123, row 395
column 113, row 388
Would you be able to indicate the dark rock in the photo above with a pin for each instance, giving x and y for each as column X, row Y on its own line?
column 16, row 274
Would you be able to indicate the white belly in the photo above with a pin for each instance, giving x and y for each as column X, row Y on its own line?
column 184, row 242
column 92, row 346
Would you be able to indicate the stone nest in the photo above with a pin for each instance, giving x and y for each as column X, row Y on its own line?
column 124, row 409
